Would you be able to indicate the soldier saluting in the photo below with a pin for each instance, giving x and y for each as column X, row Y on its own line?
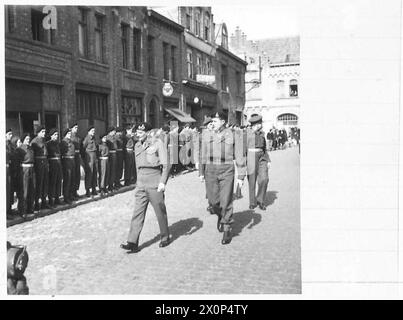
column 152, row 175
column 258, row 163
column 219, row 150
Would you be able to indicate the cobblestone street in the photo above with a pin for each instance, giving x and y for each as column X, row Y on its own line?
column 77, row 251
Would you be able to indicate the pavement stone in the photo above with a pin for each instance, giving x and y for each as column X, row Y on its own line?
column 76, row 251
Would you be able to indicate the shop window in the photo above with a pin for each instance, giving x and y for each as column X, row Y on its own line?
column 131, row 110
column 293, row 88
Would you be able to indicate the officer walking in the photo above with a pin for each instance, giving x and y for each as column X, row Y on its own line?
column 218, row 153
column 67, row 150
column 90, row 162
column 112, row 145
column 152, row 175
column 25, row 156
column 258, row 163
column 77, row 159
column 55, row 168
column 129, row 156
column 41, row 168
column 103, row 165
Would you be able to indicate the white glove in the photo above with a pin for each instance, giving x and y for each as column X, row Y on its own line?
column 201, row 178
column 239, row 182
column 161, row 187
column 268, row 165
column 197, row 166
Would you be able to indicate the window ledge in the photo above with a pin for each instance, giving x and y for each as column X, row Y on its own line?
column 86, row 60
column 133, row 72
column 287, row 98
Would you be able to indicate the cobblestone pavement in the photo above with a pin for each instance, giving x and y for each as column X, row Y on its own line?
column 77, row 251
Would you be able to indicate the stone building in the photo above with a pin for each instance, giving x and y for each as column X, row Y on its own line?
column 272, row 78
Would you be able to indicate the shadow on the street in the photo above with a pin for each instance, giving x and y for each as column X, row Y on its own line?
column 244, row 218
column 270, row 197
column 178, row 229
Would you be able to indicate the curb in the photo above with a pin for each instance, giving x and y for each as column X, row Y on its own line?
column 82, row 200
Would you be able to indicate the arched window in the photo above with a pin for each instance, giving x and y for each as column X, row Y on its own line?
column 280, row 89
column 152, row 113
column 206, row 35
column 197, row 19
column 224, row 39
column 288, row 119
column 189, row 16
column 293, row 88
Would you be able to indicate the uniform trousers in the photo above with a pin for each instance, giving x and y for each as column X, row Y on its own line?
column 112, row 166
column 103, row 166
column 146, row 192
column 258, row 173
column 28, row 188
column 77, row 172
column 91, row 169
column 119, row 166
column 129, row 162
column 220, row 189
column 42, row 179
column 55, row 178
column 68, row 178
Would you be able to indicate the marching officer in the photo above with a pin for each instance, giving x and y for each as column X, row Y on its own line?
column 68, row 153
column 112, row 145
column 152, row 175
column 103, row 165
column 55, row 168
column 219, row 151
column 9, row 189
column 120, row 142
column 77, row 159
column 25, row 158
column 258, row 163
column 90, row 147
column 41, row 168
column 129, row 156
column 206, row 133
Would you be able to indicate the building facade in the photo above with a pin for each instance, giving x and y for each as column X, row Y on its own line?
column 272, row 79
column 106, row 66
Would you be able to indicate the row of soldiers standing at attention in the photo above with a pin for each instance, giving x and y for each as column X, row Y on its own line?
column 40, row 171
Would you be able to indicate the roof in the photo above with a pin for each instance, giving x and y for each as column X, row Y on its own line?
column 277, row 49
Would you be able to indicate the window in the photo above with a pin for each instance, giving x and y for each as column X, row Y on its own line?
column 38, row 32
column 189, row 13
column 173, row 63
column 199, row 64
column 224, row 38
column 99, row 38
column 165, row 57
column 293, row 88
column 224, row 77
column 131, row 110
column 287, row 58
column 92, row 106
column 124, row 37
column 82, row 34
column 288, row 119
column 207, row 27
column 152, row 113
column 207, row 69
column 280, row 89
column 137, row 49
column 189, row 62
column 238, row 82
column 197, row 22
column 9, row 18
column 150, row 54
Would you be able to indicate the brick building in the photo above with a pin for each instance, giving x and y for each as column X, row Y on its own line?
column 107, row 66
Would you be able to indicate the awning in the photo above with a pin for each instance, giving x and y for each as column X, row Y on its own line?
column 180, row 115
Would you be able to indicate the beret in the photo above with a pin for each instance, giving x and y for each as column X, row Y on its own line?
column 24, row 135
column 90, row 128
column 40, row 128
column 9, row 130
column 144, row 126
column 66, row 131
column 110, row 129
column 53, row 131
column 220, row 115
column 206, row 121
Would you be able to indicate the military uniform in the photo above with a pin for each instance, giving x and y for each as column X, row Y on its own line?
column 68, row 152
column 119, row 160
column 90, row 163
column 219, row 149
column 9, row 196
column 151, row 156
column 112, row 145
column 41, row 171
column 25, row 159
column 103, row 165
column 55, row 171
column 77, row 166
column 129, row 160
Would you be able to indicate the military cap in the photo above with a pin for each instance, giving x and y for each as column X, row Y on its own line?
column 24, row 135
column 9, row 130
column 145, row 126
column 40, row 128
column 66, row 131
column 53, row 131
column 73, row 125
column 90, row 128
column 206, row 121
column 255, row 118
column 219, row 115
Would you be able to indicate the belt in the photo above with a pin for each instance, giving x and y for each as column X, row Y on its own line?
column 103, row 158
column 7, row 165
column 90, row 150
column 119, row 149
column 255, row 149
column 112, row 151
column 27, row 165
column 68, row 157
column 221, row 160
column 41, row 157
column 129, row 149
column 54, row 158
column 77, row 151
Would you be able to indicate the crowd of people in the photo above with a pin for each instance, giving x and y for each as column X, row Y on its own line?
column 278, row 139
